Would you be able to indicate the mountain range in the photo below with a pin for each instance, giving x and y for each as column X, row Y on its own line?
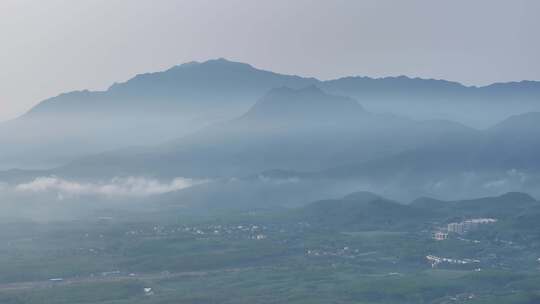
column 156, row 107
column 367, row 211
column 499, row 159
column 222, row 121
column 296, row 129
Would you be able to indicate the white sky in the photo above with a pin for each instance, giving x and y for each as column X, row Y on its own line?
column 53, row 46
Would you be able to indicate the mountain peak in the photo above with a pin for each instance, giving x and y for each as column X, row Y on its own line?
column 517, row 197
column 308, row 102
column 211, row 63
column 225, row 62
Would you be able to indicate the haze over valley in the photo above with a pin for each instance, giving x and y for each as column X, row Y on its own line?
column 270, row 152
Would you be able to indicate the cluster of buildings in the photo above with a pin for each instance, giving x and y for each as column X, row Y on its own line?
column 461, row 227
column 440, row 236
column 468, row 225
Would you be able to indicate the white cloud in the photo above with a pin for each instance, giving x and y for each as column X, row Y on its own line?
column 128, row 186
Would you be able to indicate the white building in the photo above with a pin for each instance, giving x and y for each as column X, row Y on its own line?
column 456, row 228
column 469, row 225
column 440, row 236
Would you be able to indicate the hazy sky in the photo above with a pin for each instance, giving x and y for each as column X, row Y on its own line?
column 52, row 46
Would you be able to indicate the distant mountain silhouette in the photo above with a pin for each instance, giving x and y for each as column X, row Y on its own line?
column 309, row 104
column 440, row 99
column 500, row 159
column 304, row 129
column 147, row 109
column 213, row 86
column 505, row 205
column 155, row 107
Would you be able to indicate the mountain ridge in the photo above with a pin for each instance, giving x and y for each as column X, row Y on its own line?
column 158, row 107
column 409, row 79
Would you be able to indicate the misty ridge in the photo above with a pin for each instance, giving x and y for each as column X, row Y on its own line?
column 226, row 130
column 152, row 108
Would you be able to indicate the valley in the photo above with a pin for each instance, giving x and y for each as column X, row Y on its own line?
column 286, row 253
